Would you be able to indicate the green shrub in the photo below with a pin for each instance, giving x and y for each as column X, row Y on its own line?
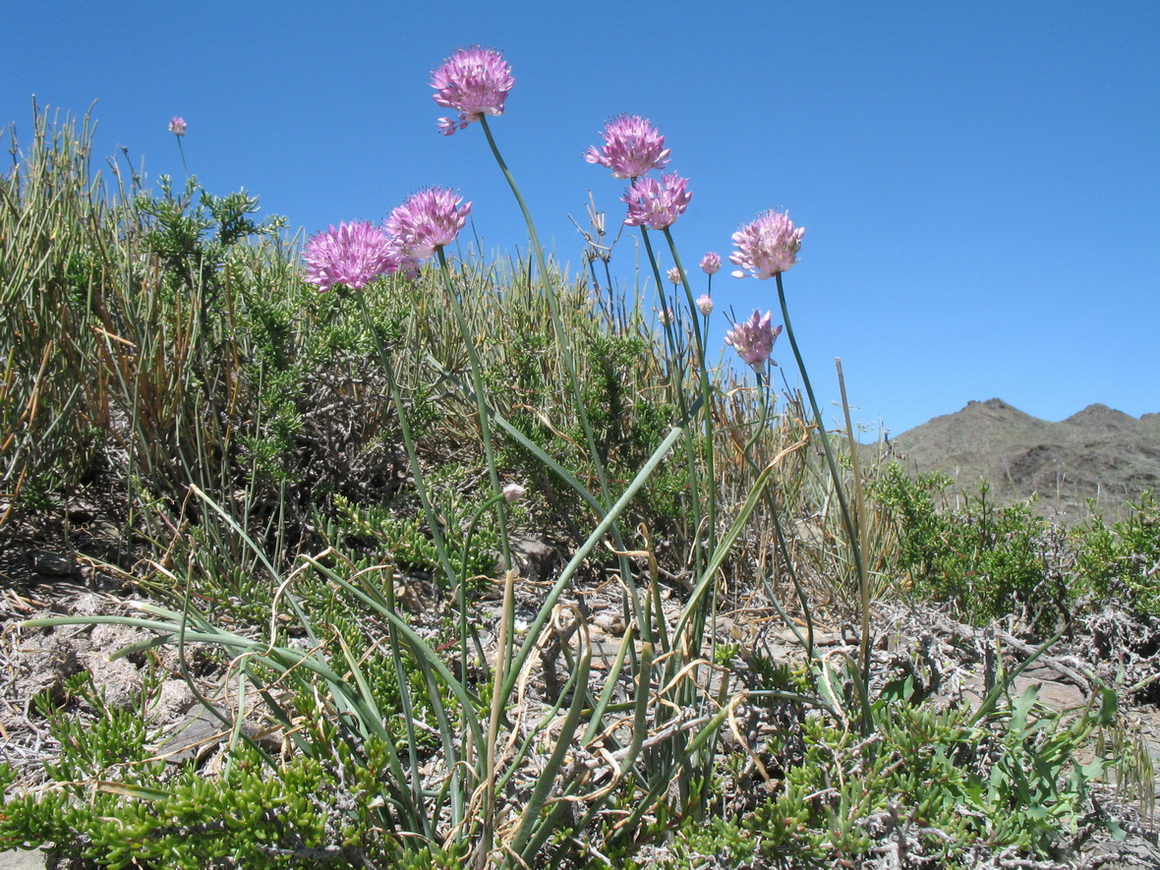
column 1123, row 560
column 987, row 562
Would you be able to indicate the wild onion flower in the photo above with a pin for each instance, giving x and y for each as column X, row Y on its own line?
column 177, row 126
column 753, row 340
column 426, row 221
column 767, row 245
column 514, row 492
column 665, row 316
column 354, row 254
column 705, row 304
column 710, row 263
column 655, row 205
column 632, row 146
column 674, row 275
column 475, row 81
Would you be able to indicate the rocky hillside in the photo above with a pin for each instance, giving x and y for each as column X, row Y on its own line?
column 1099, row 454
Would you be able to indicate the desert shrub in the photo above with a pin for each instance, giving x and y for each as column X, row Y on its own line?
column 932, row 788
column 56, row 256
column 987, row 562
column 1122, row 560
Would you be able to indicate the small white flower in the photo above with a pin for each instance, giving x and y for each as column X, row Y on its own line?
column 514, row 492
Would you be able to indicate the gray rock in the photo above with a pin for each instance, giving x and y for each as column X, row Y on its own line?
column 21, row 860
column 51, row 564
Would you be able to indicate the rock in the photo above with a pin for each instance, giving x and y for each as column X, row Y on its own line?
column 51, row 564
column 81, row 513
column 537, row 557
column 609, row 623
column 18, row 859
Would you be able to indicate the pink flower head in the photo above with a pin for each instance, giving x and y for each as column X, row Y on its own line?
column 632, row 146
column 710, row 263
column 655, row 205
column 674, row 275
column 475, row 81
column 766, row 246
column 426, row 221
column 705, row 304
column 665, row 316
column 753, row 340
column 354, row 254
column 177, row 126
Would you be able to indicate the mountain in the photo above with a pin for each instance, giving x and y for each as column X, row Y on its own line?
column 1099, row 453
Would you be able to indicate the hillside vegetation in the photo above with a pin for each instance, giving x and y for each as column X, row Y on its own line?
column 1097, row 459
column 478, row 564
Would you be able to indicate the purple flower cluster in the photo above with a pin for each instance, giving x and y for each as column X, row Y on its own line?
column 177, row 125
column 753, row 340
column 632, row 146
column 475, row 81
column 656, row 204
column 355, row 254
column 767, row 245
column 426, row 221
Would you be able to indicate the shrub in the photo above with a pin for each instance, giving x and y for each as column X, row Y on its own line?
column 987, row 562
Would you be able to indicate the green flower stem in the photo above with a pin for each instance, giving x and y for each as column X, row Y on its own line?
column 181, row 150
column 764, row 384
column 533, row 236
column 409, row 444
column 481, row 406
column 554, row 308
column 602, row 529
column 465, row 628
column 847, row 517
column 565, row 348
column 679, row 369
column 706, row 391
column 860, row 515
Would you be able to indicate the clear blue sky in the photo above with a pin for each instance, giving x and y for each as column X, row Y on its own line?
column 980, row 182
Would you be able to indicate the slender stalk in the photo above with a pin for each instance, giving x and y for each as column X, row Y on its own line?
column 763, row 384
column 706, row 391
column 554, row 309
column 690, row 453
column 409, row 444
column 860, row 518
column 481, row 407
column 181, row 150
column 847, row 518
column 562, row 339
column 582, row 552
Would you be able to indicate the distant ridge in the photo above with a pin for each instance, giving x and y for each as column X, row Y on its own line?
column 1098, row 453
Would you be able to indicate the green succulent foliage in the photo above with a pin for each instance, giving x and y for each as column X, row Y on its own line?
column 1036, row 788
column 110, row 801
column 251, row 816
column 404, row 541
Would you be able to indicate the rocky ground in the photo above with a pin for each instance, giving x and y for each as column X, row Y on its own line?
column 1109, row 646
